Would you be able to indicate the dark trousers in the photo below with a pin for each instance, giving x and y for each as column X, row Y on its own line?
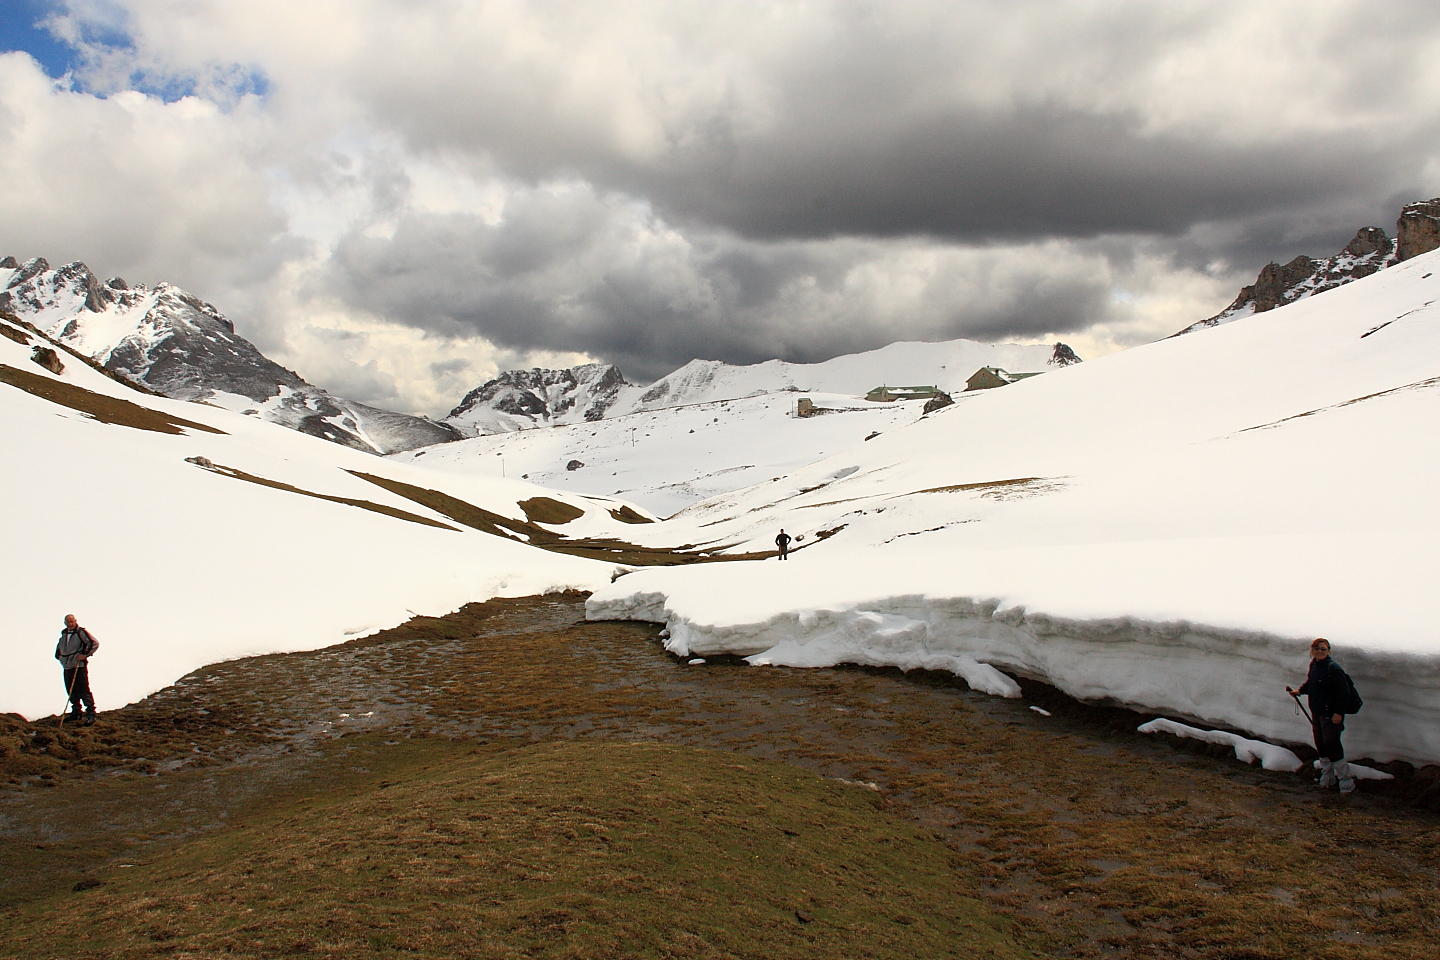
column 77, row 682
column 1327, row 738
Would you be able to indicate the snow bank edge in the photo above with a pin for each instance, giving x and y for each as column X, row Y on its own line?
column 1218, row 675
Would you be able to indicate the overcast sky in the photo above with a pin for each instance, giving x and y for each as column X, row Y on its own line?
column 398, row 198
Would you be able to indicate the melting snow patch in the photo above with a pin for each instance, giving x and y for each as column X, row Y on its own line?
column 1270, row 756
column 695, row 661
column 1362, row 772
column 1041, row 710
column 859, row 783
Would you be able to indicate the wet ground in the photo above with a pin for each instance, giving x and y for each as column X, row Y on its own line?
column 1099, row 840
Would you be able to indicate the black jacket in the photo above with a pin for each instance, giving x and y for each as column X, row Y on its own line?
column 1326, row 687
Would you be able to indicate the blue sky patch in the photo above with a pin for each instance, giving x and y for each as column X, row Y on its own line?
column 18, row 32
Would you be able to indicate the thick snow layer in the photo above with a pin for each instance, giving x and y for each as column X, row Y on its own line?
column 1166, row 527
column 1270, row 756
column 173, row 566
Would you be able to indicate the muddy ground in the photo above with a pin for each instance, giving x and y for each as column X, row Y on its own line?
column 1096, row 840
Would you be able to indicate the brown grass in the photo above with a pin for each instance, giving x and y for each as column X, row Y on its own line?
column 562, row 849
column 14, row 333
column 548, row 510
column 373, row 507
column 530, row 532
column 627, row 514
column 97, row 405
column 1096, row 840
column 986, row 485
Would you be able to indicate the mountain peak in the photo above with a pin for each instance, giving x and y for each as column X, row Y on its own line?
column 1417, row 231
column 515, row 399
column 178, row 345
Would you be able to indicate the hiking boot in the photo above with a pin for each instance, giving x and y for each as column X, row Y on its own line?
column 89, row 720
column 1328, row 777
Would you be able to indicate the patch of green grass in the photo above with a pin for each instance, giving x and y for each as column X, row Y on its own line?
column 569, row 849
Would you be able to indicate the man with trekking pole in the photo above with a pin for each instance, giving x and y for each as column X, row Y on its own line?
column 74, row 650
column 1332, row 695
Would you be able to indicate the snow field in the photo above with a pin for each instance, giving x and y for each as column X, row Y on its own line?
column 1193, row 512
column 173, row 566
column 674, row 457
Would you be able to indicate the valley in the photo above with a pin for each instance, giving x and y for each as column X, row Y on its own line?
column 577, row 787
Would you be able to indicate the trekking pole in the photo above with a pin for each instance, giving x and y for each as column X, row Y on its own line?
column 69, row 691
column 1296, row 698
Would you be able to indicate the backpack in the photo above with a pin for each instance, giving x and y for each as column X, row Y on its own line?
column 1350, row 701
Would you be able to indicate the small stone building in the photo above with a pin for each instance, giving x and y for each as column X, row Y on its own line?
column 987, row 378
column 889, row 394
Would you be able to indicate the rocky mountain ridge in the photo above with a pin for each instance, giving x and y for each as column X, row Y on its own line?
column 184, row 348
column 1417, row 231
column 523, row 399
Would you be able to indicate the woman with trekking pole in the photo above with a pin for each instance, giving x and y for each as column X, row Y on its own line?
column 1331, row 695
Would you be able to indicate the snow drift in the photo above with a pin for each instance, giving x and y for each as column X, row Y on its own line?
column 1166, row 527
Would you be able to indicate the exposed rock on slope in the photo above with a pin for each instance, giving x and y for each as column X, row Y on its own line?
column 521, row 399
column 518, row 399
column 182, row 347
column 1417, row 231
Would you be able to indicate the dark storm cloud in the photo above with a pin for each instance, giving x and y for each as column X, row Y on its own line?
column 965, row 123
column 652, row 182
column 982, row 179
column 570, row 271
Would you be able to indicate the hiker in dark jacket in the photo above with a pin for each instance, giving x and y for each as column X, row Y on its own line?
column 783, row 542
column 74, row 650
column 1326, row 689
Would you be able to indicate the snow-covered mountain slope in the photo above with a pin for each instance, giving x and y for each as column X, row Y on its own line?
column 519, row 400
column 671, row 458
column 184, row 348
column 182, row 534
column 1417, row 231
column 1166, row 527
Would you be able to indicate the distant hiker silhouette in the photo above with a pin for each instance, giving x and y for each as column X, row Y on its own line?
column 1332, row 695
column 783, row 542
column 74, row 650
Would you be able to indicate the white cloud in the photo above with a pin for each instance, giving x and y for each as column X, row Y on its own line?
column 399, row 197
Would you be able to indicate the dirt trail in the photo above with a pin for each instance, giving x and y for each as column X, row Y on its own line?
column 1103, row 841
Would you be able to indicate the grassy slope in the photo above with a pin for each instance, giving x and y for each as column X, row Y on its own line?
column 572, row 849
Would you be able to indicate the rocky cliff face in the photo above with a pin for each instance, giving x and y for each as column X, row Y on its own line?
column 1417, row 231
column 184, row 348
column 520, row 399
column 1062, row 356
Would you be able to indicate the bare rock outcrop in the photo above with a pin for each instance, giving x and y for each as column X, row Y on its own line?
column 1418, row 229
